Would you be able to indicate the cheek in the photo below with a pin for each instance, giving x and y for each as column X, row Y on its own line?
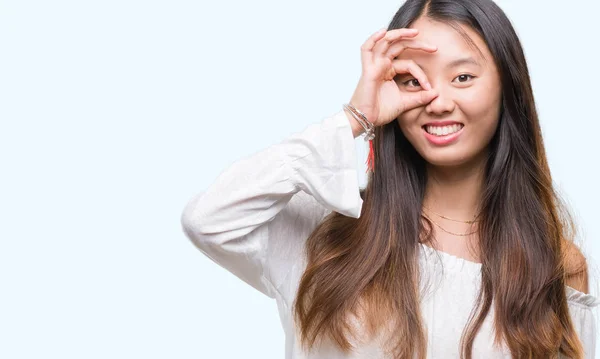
column 407, row 122
column 481, row 104
column 481, row 112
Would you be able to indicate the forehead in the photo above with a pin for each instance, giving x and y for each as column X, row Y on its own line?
column 450, row 43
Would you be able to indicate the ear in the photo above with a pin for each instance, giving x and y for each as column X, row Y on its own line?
column 575, row 265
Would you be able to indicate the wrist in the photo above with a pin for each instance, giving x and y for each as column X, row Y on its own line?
column 357, row 128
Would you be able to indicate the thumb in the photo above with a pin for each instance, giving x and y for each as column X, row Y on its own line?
column 416, row 99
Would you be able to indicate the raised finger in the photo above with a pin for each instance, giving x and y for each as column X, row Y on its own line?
column 391, row 36
column 366, row 49
column 368, row 45
column 396, row 48
column 409, row 66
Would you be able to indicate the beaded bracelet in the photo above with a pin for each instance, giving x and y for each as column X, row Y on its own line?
column 362, row 119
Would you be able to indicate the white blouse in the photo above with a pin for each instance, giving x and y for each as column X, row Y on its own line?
column 254, row 219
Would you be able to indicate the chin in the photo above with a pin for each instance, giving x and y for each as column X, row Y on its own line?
column 446, row 159
column 451, row 157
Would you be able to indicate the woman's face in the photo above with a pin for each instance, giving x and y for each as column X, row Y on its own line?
column 468, row 105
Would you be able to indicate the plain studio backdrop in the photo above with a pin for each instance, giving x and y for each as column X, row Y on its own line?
column 115, row 113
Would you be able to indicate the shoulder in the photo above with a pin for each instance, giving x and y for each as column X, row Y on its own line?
column 575, row 267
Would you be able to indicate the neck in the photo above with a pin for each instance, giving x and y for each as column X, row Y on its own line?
column 455, row 191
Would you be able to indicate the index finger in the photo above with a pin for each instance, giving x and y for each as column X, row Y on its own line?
column 409, row 66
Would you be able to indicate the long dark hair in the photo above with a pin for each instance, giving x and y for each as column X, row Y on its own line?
column 368, row 266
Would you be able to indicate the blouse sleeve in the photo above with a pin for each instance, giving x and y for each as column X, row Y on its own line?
column 229, row 221
column 582, row 309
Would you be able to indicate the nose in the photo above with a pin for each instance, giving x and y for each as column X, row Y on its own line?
column 442, row 104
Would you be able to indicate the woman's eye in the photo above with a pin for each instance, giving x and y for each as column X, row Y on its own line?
column 413, row 82
column 461, row 79
column 464, row 77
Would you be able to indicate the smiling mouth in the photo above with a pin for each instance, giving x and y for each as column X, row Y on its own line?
column 443, row 130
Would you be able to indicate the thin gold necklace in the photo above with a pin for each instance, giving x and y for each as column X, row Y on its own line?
column 454, row 220
column 447, row 231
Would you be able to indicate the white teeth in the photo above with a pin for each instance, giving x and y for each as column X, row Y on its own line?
column 443, row 130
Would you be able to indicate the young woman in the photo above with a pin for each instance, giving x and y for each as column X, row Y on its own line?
column 457, row 247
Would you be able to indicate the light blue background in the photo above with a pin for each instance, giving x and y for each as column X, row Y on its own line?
column 115, row 113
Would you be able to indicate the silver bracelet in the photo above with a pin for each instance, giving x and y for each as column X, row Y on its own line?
column 362, row 119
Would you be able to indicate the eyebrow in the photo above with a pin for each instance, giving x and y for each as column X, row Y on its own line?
column 457, row 62
column 462, row 61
